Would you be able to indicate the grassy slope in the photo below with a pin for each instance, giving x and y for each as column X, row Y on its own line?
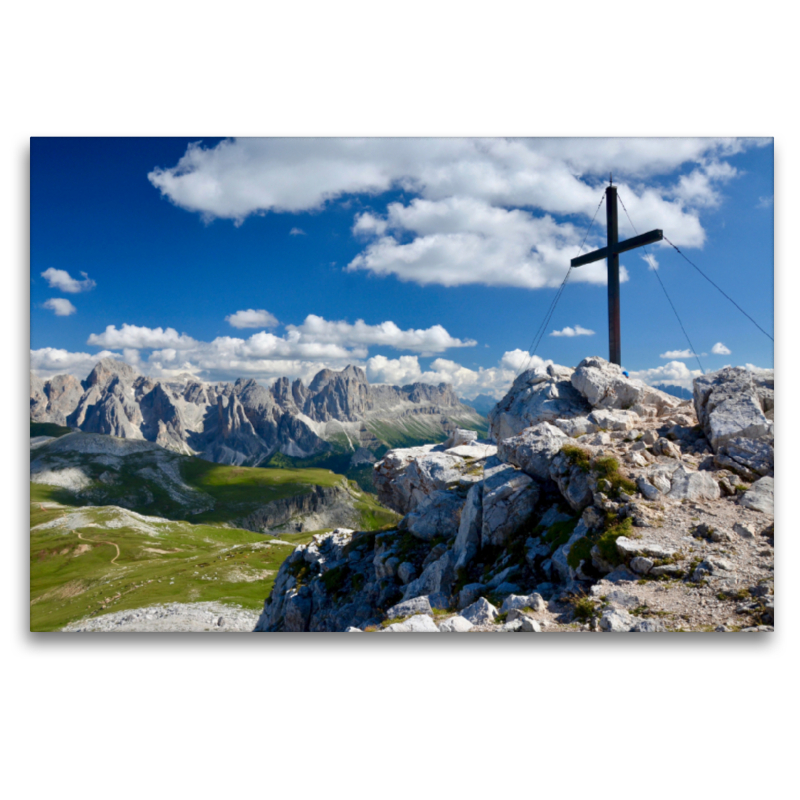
column 71, row 578
column 49, row 429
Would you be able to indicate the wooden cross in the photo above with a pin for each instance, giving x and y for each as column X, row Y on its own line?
column 611, row 253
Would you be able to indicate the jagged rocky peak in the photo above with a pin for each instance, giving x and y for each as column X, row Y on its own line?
column 109, row 368
column 55, row 399
column 326, row 376
column 240, row 422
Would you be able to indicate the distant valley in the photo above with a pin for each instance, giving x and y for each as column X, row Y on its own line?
column 117, row 524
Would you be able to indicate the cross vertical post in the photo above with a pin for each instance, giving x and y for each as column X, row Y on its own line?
column 611, row 253
column 614, row 336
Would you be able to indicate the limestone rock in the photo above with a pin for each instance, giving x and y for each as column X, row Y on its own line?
column 695, row 486
column 509, row 499
column 574, row 484
column 438, row 515
column 760, row 496
column 614, row 420
column 437, row 577
column 417, row 605
column 564, row 570
column 747, row 456
column 419, row 624
column 406, row 572
column 533, row 601
column 575, row 426
column 617, row 621
column 407, row 477
column 460, row 436
column 630, row 548
column 731, row 403
column 470, row 593
column 536, row 396
column 642, row 565
column 533, row 449
column 649, row 491
column 456, row 624
column 469, row 530
column 481, row 612
column 604, row 386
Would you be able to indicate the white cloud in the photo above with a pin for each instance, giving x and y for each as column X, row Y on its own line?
column 60, row 305
column 678, row 354
column 302, row 351
column 699, row 188
column 49, row 361
column 468, row 383
column 576, row 331
column 765, row 202
column 720, row 349
column 137, row 337
column 754, row 368
column 650, row 260
column 425, row 341
column 517, row 360
column 252, row 318
column 62, row 280
column 484, row 208
column 240, row 177
column 297, row 232
column 461, row 240
column 676, row 372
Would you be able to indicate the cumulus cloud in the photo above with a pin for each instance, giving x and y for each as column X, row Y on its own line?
column 461, row 240
column 60, row 305
column 719, row 349
column 297, row 232
column 700, row 188
column 765, row 202
column 676, row 372
column 650, row 260
column 49, row 361
column 304, row 349
column 61, row 279
column 484, row 208
column 425, row 341
column 137, row 337
column 467, row 383
column 252, row 318
column 240, row 177
column 576, row 331
column 679, row 354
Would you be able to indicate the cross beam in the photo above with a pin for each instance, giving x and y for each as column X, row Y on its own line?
column 611, row 253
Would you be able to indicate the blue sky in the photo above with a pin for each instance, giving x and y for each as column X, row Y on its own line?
column 449, row 250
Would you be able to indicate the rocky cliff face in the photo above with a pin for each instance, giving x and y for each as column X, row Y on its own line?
column 602, row 505
column 243, row 422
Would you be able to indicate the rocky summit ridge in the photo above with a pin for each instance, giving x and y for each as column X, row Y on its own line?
column 598, row 504
column 244, row 422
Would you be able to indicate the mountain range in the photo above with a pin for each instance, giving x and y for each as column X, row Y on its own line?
column 246, row 423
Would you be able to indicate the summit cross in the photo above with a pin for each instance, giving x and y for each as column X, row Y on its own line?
column 611, row 253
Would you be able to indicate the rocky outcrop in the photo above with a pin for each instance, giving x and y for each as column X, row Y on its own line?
column 575, row 521
column 735, row 408
column 536, row 396
column 406, row 477
column 243, row 422
column 320, row 507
